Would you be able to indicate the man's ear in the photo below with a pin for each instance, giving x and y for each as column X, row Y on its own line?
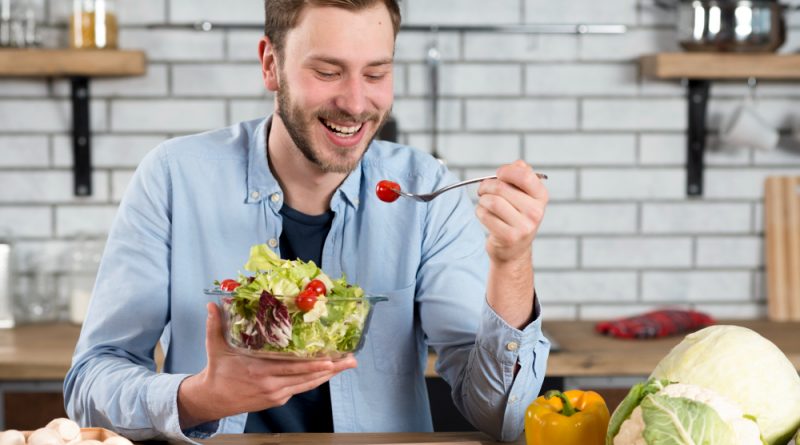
column 269, row 63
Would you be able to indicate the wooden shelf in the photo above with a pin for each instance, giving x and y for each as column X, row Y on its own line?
column 720, row 66
column 700, row 69
column 79, row 66
column 71, row 63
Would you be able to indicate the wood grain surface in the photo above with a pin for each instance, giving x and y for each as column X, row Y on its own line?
column 466, row 438
column 44, row 352
column 782, row 247
column 71, row 62
column 710, row 66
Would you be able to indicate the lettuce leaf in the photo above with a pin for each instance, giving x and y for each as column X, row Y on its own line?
column 634, row 398
column 681, row 421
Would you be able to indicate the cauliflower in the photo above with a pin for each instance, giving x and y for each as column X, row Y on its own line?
column 745, row 429
column 678, row 413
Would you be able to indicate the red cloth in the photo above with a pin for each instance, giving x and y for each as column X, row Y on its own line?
column 655, row 324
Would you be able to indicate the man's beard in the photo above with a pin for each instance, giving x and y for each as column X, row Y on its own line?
column 300, row 131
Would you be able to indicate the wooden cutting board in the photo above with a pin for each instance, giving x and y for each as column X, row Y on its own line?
column 782, row 233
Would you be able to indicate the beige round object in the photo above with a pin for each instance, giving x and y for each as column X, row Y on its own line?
column 67, row 429
column 90, row 442
column 45, row 436
column 12, row 437
column 117, row 440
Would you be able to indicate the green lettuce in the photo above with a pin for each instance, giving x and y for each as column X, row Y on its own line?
column 335, row 323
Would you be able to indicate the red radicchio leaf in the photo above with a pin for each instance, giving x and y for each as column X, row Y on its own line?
column 273, row 320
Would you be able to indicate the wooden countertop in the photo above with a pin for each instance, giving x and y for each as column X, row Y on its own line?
column 585, row 353
column 44, row 351
column 468, row 438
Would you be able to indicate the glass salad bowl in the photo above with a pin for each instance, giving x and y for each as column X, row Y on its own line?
column 273, row 326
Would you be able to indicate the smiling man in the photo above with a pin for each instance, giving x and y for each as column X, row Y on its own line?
column 302, row 181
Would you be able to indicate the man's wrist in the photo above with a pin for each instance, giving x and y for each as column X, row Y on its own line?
column 192, row 407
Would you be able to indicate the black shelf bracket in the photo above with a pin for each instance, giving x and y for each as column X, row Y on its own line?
column 81, row 136
column 697, row 97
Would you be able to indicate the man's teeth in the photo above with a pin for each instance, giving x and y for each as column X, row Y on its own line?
column 349, row 131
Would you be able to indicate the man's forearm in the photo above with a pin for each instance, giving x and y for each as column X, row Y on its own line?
column 509, row 291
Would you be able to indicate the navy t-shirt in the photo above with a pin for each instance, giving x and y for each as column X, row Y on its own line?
column 303, row 237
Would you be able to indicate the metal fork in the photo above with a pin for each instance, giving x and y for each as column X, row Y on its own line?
column 425, row 197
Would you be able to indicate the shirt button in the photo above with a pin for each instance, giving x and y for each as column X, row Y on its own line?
column 512, row 346
column 255, row 195
column 275, row 197
column 272, row 242
column 513, row 399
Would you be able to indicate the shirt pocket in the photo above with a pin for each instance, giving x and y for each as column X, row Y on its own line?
column 391, row 335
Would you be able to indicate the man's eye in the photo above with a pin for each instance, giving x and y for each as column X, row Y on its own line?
column 326, row 74
column 376, row 76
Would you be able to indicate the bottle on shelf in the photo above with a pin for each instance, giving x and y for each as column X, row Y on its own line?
column 93, row 24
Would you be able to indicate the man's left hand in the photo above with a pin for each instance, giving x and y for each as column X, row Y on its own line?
column 511, row 208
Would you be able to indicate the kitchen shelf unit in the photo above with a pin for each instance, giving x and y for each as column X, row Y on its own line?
column 79, row 66
column 700, row 69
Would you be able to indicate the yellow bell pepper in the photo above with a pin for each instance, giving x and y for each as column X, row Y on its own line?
column 569, row 418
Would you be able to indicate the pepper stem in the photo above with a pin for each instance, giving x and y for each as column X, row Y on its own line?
column 568, row 409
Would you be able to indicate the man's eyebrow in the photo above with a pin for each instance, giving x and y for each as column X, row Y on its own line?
column 340, row 62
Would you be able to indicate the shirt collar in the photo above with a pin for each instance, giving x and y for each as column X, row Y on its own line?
column 261, row 184
column 260, row 181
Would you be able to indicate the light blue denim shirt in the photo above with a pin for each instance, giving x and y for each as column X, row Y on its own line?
column 189, row 216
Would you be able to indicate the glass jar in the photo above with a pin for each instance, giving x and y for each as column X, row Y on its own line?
column 93, row 24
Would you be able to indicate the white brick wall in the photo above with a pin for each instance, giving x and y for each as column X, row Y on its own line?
column 521, row 114
column 577, row 11
column 620, row 236
column 167, row 115
column 24, row 151
column 520, row 47
column 634, row 253
column 576, row 79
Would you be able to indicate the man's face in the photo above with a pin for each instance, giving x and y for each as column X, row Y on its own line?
column 335, row 83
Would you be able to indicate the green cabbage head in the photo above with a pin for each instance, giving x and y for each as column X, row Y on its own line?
column 743, row 366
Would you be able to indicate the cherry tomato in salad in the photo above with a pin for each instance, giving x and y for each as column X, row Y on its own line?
column 317, row 286
column 305, row 300
column 387, row 191
column 229, row 285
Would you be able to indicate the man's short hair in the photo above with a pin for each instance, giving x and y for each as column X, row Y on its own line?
column 282, row 15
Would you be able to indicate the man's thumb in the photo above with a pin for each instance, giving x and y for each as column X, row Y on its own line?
column 215, row 337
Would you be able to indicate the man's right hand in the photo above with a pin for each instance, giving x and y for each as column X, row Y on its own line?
column 233, row 383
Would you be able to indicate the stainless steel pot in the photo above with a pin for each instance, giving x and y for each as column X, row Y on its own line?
column 731, row 25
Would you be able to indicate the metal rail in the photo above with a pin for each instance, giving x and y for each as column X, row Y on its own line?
column 575, row 29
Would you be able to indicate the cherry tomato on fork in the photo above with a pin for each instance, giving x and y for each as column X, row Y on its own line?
column 317, row 286
column 387, row 191
column 305, row 300
column 229, row 285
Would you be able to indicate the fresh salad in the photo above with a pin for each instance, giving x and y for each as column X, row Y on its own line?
column 291, row 307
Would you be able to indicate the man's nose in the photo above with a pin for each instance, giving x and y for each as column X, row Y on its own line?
column 352, row 97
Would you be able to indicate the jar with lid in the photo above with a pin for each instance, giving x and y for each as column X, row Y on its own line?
column 93, row 24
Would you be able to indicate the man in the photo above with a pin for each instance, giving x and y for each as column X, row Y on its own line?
column 197, row 204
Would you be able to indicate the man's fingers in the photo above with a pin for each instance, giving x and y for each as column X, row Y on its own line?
column 305, row 367
column 311, row 383
column 522, row 176
column 503, row 209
